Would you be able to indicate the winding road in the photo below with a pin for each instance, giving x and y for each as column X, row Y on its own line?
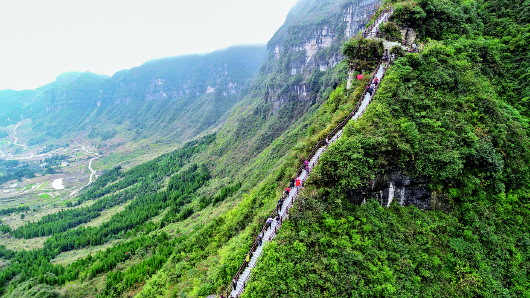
column 92, row 171
column 15, row 136
column 24, row 146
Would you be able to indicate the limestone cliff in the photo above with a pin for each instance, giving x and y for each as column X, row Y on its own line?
column 172, row 99
column 308, row 45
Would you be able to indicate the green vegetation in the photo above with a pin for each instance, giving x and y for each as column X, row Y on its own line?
column 390, row 31
column 8, row 211
column 362, row 53
column 452, row 115
column 134, row 220
column 17, row 170
column 138, row 211
column 444, row 115
column 183, row 192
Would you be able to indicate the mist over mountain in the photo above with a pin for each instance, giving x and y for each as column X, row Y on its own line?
column 175, row 97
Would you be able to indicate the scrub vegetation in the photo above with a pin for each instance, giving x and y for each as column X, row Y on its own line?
column 455, row 114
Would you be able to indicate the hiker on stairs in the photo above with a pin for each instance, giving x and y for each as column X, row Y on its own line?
column 298, row 182
column 242, row 277
column 280, row 203
column 306, row 166
column 268, row 223
column 370, row 90
column 260, row 239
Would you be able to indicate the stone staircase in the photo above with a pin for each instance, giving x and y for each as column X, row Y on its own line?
column 268, row 234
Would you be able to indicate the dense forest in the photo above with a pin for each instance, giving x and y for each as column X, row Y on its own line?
column 146, row 203
column 455, row 115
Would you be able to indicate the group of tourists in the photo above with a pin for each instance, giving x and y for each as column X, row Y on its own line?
column 388, row 58
column 412, row 47
column 297, row 182
column 306, row 166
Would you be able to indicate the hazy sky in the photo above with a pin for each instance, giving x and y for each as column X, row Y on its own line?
column 39, row 39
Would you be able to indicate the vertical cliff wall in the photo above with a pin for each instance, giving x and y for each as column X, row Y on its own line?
column 308, row 45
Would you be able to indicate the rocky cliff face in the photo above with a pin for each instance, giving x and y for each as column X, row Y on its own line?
column 175, row 98
column 308, row 45
column 178, row 97
column 300, row 68
column 398, row 188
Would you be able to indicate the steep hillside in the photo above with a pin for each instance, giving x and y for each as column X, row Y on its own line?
column 70, row 96
column 175, row 98
column 301, row 71
column 180, row 224
column 448, row 125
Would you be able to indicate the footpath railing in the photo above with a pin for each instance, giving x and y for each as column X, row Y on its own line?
column 321, row 143
column 381, row 18
column 256, row 244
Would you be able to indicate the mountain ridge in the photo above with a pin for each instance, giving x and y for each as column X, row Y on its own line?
column 185, row 220
column 78, row 101
column 205, row 226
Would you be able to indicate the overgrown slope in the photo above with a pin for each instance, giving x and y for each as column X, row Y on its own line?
column 454, row 115
column 188, row 216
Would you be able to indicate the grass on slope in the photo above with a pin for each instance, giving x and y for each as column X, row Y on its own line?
column 438, row 116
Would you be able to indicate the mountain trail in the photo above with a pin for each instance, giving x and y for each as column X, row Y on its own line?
column 240, row 280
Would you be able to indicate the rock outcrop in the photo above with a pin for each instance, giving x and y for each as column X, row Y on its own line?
column 397, row 188
column 306, row 47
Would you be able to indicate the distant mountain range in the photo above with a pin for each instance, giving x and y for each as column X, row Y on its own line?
column 176, row 97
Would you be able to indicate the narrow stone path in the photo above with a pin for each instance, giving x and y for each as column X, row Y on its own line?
column 244, row 275
column 374, row 28
column 293, row 194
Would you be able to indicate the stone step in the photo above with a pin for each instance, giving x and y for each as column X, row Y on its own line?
column 294, row 193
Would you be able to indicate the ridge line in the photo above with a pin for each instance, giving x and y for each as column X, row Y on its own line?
column 269, row 231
